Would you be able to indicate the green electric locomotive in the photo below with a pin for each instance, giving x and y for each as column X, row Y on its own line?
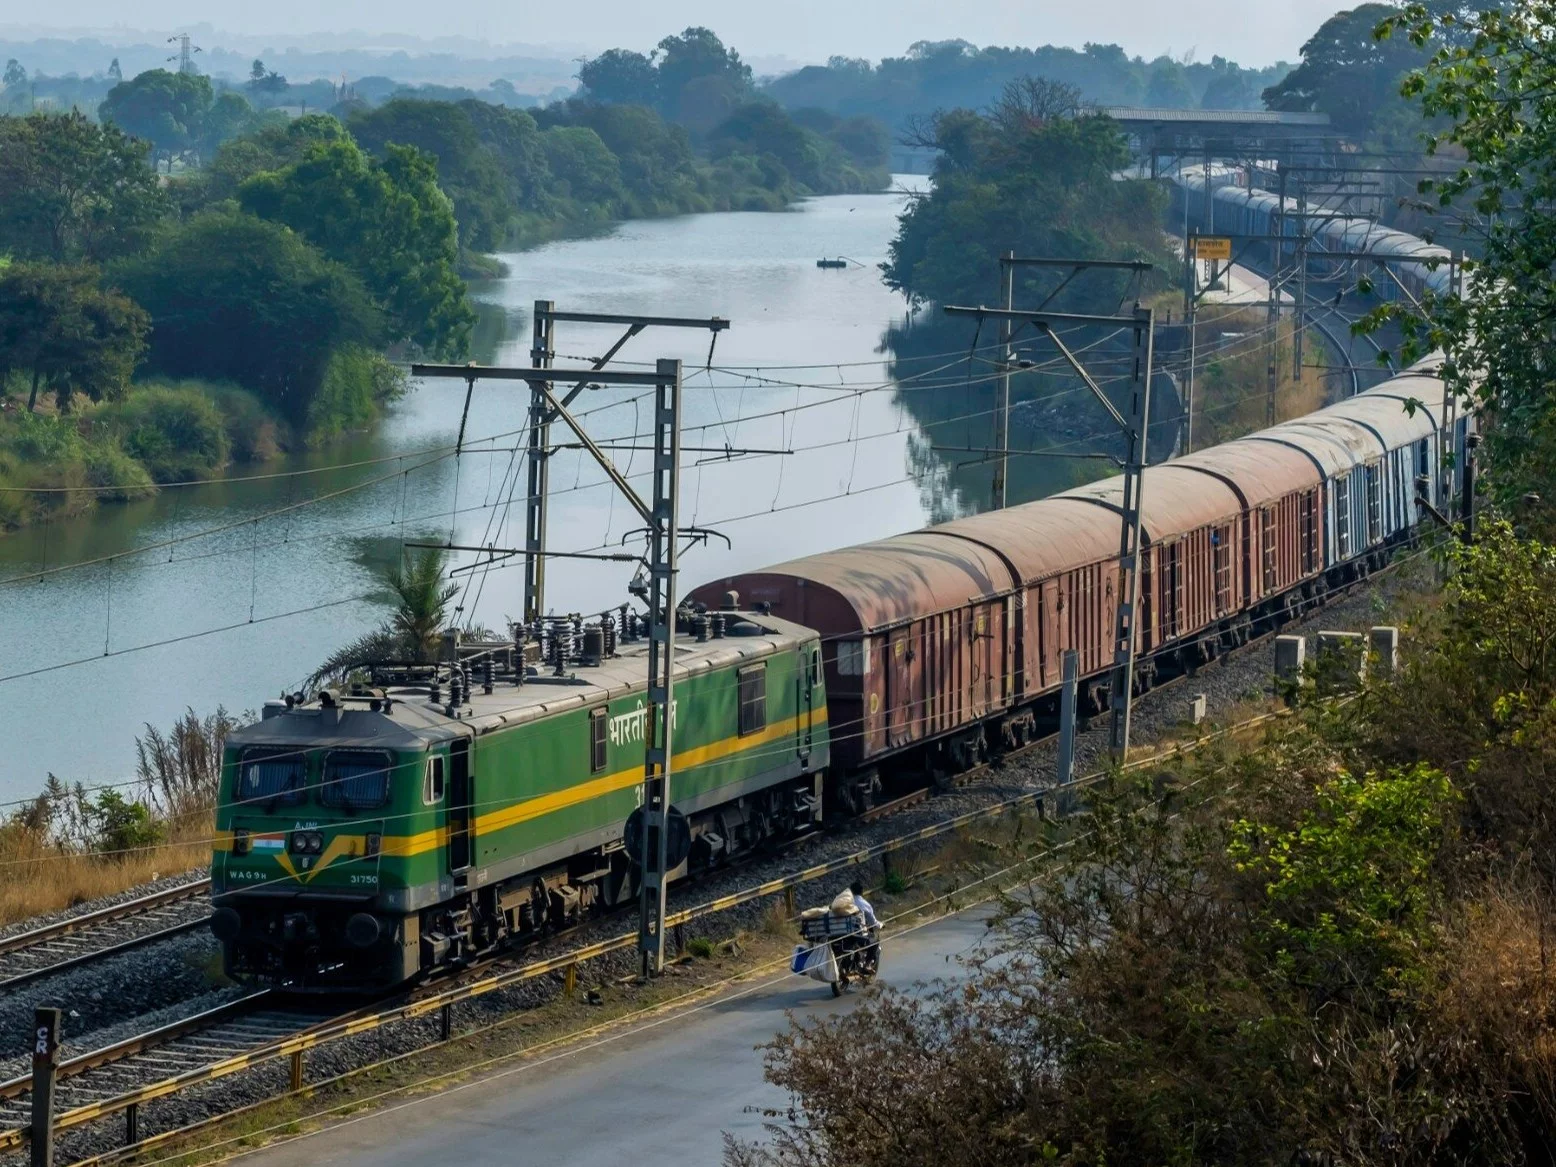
column 428, row 814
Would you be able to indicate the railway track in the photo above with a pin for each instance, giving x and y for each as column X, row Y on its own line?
column 79, row 940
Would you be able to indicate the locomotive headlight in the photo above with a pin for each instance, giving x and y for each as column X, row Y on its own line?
column 315, row 842
column 240, row 842
column 307, row 842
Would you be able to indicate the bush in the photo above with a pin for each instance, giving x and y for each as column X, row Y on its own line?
column 119, row 477
column 122, row 826
column 700, row 946
column 251, row 431
column 176, row 432
column 357, row 384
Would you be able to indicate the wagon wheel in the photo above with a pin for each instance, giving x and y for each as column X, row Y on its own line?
column 837, row 988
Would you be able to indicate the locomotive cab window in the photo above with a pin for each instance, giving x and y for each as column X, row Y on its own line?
column 432, row 787
column 272, row 775
column 356, row 779
column 599, row 720
column 753, row 699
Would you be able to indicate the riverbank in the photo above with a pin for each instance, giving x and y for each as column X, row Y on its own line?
column 60, row 465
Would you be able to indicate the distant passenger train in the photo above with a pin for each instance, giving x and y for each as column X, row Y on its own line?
column 1236, row 210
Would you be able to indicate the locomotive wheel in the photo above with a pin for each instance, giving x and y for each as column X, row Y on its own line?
column 839, row 985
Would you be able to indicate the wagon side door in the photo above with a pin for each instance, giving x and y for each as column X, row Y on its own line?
column 899, row 688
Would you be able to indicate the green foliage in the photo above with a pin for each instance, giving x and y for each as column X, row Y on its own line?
column 1029, row 175
column 65, row 333
column 940, row 75
column 1492, row 78
column 423, row 600
column 73, row 190
column 584, row 168
column 1347, row 72
column 468, row 172
column 176, row 433
column 239, row 299
column 388, row 222
column 700, row 947
column 357, row 384
column 167, row 109
column 1350, row 886
column 122, row 826
column 271, row 147
column 115, row 472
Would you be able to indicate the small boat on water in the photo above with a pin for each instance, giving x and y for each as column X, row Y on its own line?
column 832, row 263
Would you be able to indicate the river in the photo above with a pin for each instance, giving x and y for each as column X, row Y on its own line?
column 228, row 593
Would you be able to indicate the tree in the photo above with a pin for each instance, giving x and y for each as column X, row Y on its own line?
column 467, row 170
column 388, row 222
column 622, row 77
column 63, row 331
column 271, row 147
column 14, row 74
column 166, row 109
column 698, row 55
column 1347, row 72
column 582, row 164
column 74, row 190
column 423, row 600
column 1014, row 180
column 1492, row 79
column 115, row 74
column 265, row 82
column 234, row 297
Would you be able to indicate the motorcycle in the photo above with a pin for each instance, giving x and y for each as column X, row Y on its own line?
column 839, row 949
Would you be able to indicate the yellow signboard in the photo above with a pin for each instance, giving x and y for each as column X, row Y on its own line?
column 1212, row 247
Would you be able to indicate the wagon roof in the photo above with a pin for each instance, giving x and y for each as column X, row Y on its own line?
column 1263, row 471
column 904, row 577
column 1174, row 500
column 1359, row 443
column 1387, row 414
column 1040, row 539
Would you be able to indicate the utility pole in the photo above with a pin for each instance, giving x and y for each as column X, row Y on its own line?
column 1299, row 329
column 1007, row 359
column 1191, row 316
column 660, row 517
column 538, row 467
column 1272, row 310
column 1142, row 323
column 542, row 352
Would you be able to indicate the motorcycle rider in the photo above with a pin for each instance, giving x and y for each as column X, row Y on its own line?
column 872, row 954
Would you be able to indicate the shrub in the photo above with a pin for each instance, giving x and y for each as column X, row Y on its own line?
column 251, row 432
column 119, row 477
column 700, row 946
column 122, row 826
column 175, row 432
column 357, row 384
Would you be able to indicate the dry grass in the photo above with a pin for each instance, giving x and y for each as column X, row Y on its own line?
column 1230, row 391
column 40, row 877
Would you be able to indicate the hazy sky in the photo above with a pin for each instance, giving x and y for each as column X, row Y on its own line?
column 1253, row 32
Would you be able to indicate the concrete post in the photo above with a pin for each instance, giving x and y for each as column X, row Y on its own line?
column 1383, row 642
column 1290, row 657
column 1197, row 709
column 1070, row 671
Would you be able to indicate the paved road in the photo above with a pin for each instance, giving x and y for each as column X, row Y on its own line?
column 660, row 1097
